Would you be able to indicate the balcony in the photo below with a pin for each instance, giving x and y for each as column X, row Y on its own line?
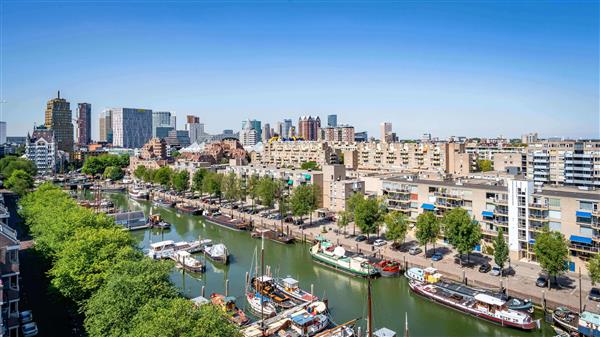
column 583, row 248
column 447, row 196
column 538, row 206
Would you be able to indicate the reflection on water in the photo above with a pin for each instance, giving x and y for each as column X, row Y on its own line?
column 346, row 294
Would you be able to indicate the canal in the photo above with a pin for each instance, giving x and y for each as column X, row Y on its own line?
column 347, row 295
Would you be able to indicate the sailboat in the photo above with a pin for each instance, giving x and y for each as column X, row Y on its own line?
column 259, row 303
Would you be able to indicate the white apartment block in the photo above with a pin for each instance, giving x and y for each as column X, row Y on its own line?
column 41, row 149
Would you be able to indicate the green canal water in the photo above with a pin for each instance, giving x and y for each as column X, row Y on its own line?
column 347, row 295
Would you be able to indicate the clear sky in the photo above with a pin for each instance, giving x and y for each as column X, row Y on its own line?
column 473, row 68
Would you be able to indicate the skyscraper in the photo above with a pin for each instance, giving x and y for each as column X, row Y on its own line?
column 287, row 126
column 386, row 132
column 2, row 133
column 195, row 129
column 105, row 125
column 59, row 119
column 162, row 123
column 266, row 132
column 332, row 121
column 132, row 128
column 279, row 129
column 84, row 123
column 254, row 125
column 308, row 127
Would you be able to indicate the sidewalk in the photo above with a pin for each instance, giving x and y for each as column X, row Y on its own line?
column 521, row 284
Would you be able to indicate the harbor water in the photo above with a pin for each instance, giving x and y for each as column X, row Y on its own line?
column 347, row 295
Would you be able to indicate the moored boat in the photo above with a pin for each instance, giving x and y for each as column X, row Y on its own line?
column 482, row 306
column 310, row 320
column 589, row 324
column 272, row 235
column 163, row 203
column 217, row 252
column 343, row 330
column 186, row 261
column 232, row 312
column 290, row 287
column 264, row 285
column 565, row 319
column 388, row 268
column 226, row 221
column 165, row 249
column 187, row 209
column 155, row 221
column 260, row 305
column 136, row 193
column 335, row 257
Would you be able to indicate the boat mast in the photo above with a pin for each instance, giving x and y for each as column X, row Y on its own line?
column 405, row 324
column 262, row 263
column 369, row 317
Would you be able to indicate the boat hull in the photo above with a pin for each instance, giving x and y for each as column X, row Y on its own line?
column 319, row 258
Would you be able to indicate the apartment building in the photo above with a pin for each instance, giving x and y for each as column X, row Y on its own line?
column 131, row 128
column 295, row 153
column 58, row 117
column 342, row 133
column 9, row 276
column 564, row 162
column 41, row 149
column 515, row 205
column 513, row 162
column 337, row 188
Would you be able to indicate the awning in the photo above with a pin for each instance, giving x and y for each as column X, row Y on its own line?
column 531, row 241
column 582, row 214
column 487, row 214
column 428, row 207
column 580, row 239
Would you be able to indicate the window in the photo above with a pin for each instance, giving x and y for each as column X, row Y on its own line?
column 554, row 214
column 554, row 226
column 586, row 231
column 552, row 202
column 587, row 205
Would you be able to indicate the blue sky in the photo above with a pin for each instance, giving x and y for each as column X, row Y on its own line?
column 474, row 68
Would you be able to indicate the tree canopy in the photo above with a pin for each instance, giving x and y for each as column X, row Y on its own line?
column 551, row 251
column 98, row 164
column 198, row 180
column 181, row 180
column 113, row 173
column 303, row 200
column 267, row 191
column 19, row 182
column 397, row 226
column 593, row 267
column 9, row 164
column 485, row 165
column 462, row 232
column 368, row 215
column 500, row 249
column 309, row 165
column 428, row 229
column 163, row 176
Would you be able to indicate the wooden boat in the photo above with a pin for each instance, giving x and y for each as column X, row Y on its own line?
column 218, row 253
column 260, row 304
column 232, row 312
column 388, row 268
column 264, row 286
column 186, row 261
column 565, row 319
column 163, row 203
column 272, row 235
column 227, row 222
column 289, row 286
column 335, row 257
column 482, row 306
column 187, row 209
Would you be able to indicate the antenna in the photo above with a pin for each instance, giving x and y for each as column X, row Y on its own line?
column 59, row 94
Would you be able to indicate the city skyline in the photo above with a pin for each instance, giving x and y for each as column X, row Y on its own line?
column 409, row 64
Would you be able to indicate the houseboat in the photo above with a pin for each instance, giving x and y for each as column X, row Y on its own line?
column 483, row 306
column 218, row 252
column 232, row 312
column 328, row 254
column 163, row 203
column 131, row 221
column 166, row 249
column 589, row 324
column 186, row 261
column 187, row 209
column 272, row 235
column 136, row 193
column 226, row 221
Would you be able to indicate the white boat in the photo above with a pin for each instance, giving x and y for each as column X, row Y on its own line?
column 138, row 194
column 162, row 250
column 427, row 275
column 218, row 253
column 267, row 309
column 310, row 320
column 289, row 286
column 186, row 261
column 336, row 257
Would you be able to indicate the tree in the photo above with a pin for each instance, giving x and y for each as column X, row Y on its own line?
column 462, row 232
column 500, row 250
column 163, row 176
column 9, row 164
column 213, row 184
column 180, row 318
column 84, row 262
column 302, row 200
column 485, row 165
column 128, row 287
column 267, row 190
column 309, row 165
column 140, row 172
column 551, row 252
column 113, row 173
column 343, row 219
column 97, row 165
column 428, row 229
column 149, row 175
column 593, row 266
column 181, row 180
column 19, row 182
column 253, row 188
column 397, row 226
column 198, row 180
column 368, row 215
column 230, row 186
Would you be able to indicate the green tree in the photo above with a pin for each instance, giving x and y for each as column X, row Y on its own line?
column 181, row 180
column 198, row 180
column 19, row 182
column 253, row 182
column 163, row 176
column 267, row 191
column 84, row 262
column 140, row 172
column 343, row 219
column 128, row 287
column 462, row 232
column 428, row 229
column 309, row 165
column 230, row 186
column 551, row 252
column 113, row 173
column 397, row 226
column 500, row 250
column 213, row 184
column 98, row 164
column 485, row 165
column 368, row 215
column 149, row 175
column 180, row 318
column 593, row 267
column 9, row 164
column 302, row 200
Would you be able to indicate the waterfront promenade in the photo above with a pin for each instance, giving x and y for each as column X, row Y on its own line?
column 521, row 283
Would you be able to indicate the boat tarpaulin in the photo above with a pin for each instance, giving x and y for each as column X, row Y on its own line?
column 580, row 239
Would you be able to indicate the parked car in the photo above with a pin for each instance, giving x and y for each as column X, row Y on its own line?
column 298, row 222
column 415, row 250
column 25, row 316
column 379, row 243
column 496, row 271
column 542, row 281
column 484, row 268
column 436, row 257
column 594, row 294
column 29, row 329
column 360, row 238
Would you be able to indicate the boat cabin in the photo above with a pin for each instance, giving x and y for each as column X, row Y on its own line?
column 589, row 324
column 289, row 283
column 489, row 303
column 200, row 301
